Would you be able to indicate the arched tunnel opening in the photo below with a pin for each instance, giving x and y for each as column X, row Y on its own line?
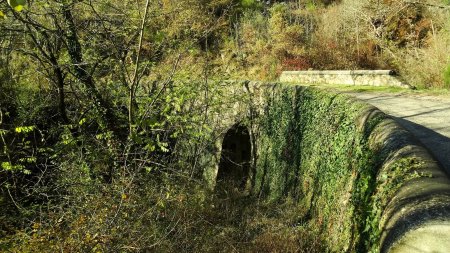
column 235, row 158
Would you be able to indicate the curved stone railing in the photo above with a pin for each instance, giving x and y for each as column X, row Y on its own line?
column 416, row 217
column 345, row 77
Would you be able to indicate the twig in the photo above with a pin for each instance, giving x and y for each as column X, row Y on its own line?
column 135, row 81
column 428, row 5
column 18, row 207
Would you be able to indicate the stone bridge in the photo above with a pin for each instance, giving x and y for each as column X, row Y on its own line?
column 365, row 181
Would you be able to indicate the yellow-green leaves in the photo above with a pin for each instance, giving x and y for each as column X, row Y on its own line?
column 17, row 4
column 24, row 129
column 2, row 15
column 82, row 121
column 7, row 166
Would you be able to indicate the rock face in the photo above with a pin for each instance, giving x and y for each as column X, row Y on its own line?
column 360, row 177
column 345, row 77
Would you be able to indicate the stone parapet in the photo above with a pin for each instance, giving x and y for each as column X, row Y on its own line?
column 345, row 77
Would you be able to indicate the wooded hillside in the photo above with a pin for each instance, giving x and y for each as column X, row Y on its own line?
column 99, row 100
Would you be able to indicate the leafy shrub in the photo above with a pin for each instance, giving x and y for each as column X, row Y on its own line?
column 447, row 76
column 296, row 63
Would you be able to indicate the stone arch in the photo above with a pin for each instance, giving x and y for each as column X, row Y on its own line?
column 235, row 157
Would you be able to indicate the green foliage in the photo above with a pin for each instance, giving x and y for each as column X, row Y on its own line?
column 17, row 4
column 447, row 76
column 263, row 40
column 104, row 137
column 24, row 129
column 311, row 6
column 251, row 4
column 387, row 184
column 311, row 150
column 18, row 158
column 66, row 134
column 9, row 167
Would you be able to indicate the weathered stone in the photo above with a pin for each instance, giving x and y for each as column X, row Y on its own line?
column 345, row 77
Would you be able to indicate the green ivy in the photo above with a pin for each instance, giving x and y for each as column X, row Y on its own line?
column 311, row 149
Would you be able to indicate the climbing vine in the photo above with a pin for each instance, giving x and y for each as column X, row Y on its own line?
column 311, row 149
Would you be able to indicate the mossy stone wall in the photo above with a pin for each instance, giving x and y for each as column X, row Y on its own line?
column 360, row 179
column 310, row 149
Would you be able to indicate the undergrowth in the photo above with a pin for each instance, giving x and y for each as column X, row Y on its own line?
column 173, row 218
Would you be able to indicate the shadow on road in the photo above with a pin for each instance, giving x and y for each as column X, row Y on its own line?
column 429, row 112
column 437, row 144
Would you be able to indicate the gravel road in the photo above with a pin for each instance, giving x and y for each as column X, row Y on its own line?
column 426, row 116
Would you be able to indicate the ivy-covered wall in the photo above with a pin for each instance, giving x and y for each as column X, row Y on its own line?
column 362, row 181
column 351, row 168
column 310, row 149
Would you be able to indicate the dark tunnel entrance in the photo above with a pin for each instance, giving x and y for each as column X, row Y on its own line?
column 235, row 158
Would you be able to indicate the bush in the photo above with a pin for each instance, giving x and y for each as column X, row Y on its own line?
column 425, row 67
column 447, row 77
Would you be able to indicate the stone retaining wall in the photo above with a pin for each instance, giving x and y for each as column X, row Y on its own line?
column 367, row 181
column 345, row 77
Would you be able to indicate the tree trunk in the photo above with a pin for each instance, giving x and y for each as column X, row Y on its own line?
column 82, row 74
